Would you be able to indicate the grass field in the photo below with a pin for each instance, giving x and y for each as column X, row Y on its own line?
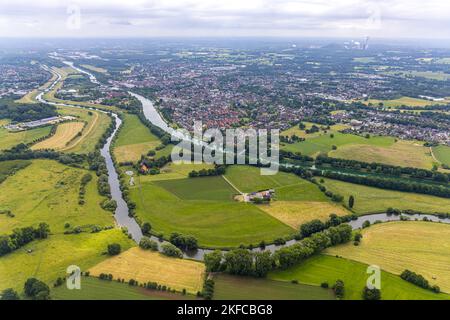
column 401, row 153
column 404, row 101
column 50, row 258
column 134, row 140
column 395, row 246
column 47, row 191
column 369, row 199
column 145, row 266
column 97, row 123
column 323, row 143
column 95, row 289
column 295, row 213
column 64, row 134
column 442, row 153
column 202, row 188
column 249, row 179
column 301, row 133
column 322, row 268
column 245, row 288
column 94, row 68
column 8, row 168
column 10, row 139
column 221, row 223
column 176, row 171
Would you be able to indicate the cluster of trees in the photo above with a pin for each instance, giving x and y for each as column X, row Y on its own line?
column 26, row 112
column 105, row 276
column 171, row 251
column 391, row 184
column 22, row 152
column 36, row 289
column 97, row 163
column 124, row 102
column 22, row 236
column 418, row 280
column 382, row 168
column 152, row 164
column 9, row 294
column 244, row 262
column 84, row 181
column 183, row 242
column 291, row 139
column 148, row 244
column 158, row 287
column 339, row 289
column 114, row 249
column 208, row 289
column 371, row 294
column 217, row 171
column 295, row 156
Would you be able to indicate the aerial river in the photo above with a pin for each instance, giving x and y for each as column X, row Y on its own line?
column 121, row 214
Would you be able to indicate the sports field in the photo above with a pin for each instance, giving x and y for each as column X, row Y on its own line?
column 10, row 139
column 134, row 140
column 370, row 200
column 95, row 289
column 323, row 268
column 47, row 191
column 65, row 133
column 145, row 266
column 246, row 288
column 395, row 246
column 48, row 259
column 401, row 153
column 213, row 217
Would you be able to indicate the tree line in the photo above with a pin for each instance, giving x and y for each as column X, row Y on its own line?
column 22, row 236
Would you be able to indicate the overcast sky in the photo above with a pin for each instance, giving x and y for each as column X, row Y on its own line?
column 291, row 18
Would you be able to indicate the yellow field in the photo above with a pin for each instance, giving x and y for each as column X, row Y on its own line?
column 295, row 213
column 402, row 153
column 133, row 152
column 422, row 247
column 93, row 68
column 146, row 266
column 97, row 124
column 64, row 134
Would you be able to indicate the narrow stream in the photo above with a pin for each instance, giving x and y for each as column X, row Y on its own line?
column 121, row 214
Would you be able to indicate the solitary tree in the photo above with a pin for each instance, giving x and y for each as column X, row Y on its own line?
column 351, row 202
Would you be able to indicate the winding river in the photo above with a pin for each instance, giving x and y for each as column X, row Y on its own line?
column 121, row 214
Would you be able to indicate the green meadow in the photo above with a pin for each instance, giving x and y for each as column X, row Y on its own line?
column 95, row 289
column 10, row 139
column 323, row 268
column 48, row 259
column 246, row 288
column 442, row 153
column 134, row 139
column 202, row 188
column 369, row 199
column 8, row 168
column 216, row 220
column 47, row 191
column 324, row 143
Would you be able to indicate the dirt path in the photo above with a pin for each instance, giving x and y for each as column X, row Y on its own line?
column 432, row 155
column 232, row 185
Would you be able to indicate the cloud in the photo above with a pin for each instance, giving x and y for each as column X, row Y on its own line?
column 395, row 18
